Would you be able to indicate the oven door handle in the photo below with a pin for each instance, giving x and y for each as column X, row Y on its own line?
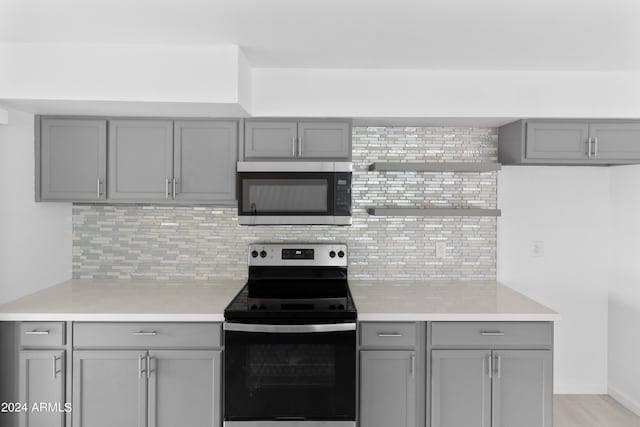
column 289, row 329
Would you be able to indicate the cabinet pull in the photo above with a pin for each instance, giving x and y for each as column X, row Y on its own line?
column 412, row 361
column 99, row 193
column 149, row 370
column 174, row 188
column 140, row 370
column 389, row 334
column 144, row 334
column 293, row 146
column 498, row 360
column 54, row 359
column 595, row 146
column 167, row 195
column 589, row 147
column 299, row 146
column 490, row 365
column 36, row 332
column 492, row 333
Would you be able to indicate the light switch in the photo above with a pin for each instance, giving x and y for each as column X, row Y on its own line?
column 537, row 248
column 441, row 250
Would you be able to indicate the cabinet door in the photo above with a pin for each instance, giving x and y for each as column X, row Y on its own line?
column 618, row 142
column 522, row 389
column 387, row 388
column 204, row 164
column 557, row 141
column 184, row 388
column 109, row 389
column 73, row 159
column 324, row 140
column 41, row 381
column 140, row 159
column 265, row 140
column 460, row 388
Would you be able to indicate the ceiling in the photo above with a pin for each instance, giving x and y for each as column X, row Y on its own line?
column 409, row 34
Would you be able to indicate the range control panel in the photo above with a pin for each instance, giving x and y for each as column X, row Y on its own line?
column 298, row 254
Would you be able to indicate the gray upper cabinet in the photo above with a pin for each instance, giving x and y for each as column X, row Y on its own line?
column 522, row 389
column 297, row 140
column 205, row 156
column 184, row 388
column 42, row 379
column 140, row 159
column 324, row 140
column 109, row 388
column 569, row 142
column 388, row 388
column 269, row 140
column 72, row 160
column 461, row 388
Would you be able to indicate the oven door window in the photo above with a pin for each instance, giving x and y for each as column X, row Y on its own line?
column 290, row 376
column 286, row 193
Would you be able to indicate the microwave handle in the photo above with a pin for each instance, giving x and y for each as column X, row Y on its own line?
column 289, row 329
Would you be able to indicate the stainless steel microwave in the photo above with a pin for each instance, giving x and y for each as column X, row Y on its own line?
column 280, row 193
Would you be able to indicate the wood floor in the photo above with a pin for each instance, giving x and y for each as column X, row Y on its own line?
column 591, row 411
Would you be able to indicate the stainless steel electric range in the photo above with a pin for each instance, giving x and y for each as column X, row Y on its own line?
column 290, row 340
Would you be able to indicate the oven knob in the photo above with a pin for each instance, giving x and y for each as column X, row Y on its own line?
column 254, row 307
column 263, row 307
column 254, row 254
column 332, row 254
column 263, row 254
column 341, row 254
column 340, row 307
column 332, row 307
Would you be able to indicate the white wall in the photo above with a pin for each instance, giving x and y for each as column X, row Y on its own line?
column 35, row 239
column 624, row 291
column 567, row 209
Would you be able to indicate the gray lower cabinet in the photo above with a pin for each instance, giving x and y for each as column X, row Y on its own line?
column 293, row 140
column 72, row 160
column 570, row 142
column 140, row 160
column 204, row 160
column 388, row 388
column 42, row 388
column 499, row 388
column 109, row 388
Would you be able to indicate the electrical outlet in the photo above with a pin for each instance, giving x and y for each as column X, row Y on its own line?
column 441, row 250
column 537, row 248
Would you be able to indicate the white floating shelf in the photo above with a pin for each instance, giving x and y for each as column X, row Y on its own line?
column 433, row 212
column 435, row 167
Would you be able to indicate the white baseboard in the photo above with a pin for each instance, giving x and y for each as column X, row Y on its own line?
column 580, row 389
column 625, row 400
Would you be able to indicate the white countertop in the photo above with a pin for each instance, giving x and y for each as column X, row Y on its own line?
column 445, row 301
column 196, row 301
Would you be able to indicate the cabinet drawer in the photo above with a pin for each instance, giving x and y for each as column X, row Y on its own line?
column 147, row 335
column 389, row 334
column 42, row 334
column 491, row 334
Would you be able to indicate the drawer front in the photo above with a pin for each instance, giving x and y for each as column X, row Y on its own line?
column 147, row 335
column 491, row 334
column 389, row 334
column 42, row 334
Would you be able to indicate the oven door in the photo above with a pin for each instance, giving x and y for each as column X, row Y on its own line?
column 290, row 372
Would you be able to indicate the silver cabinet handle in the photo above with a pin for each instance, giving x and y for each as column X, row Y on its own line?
column 492, row 333
column 54, row 359
column 498, row 360
column 490, row 365
column 149, row 370
column 389, row 334
column 293, row 146
column 412, row 361
column 144, row 334
column 167, row 195
column 140, row 370
column 299, row 146
column 589, row 148
column 36, row 333
column 174, row 188
column 595, row 146
column 99, row 193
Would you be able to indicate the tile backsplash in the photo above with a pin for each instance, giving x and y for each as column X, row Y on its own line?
column 205, row 243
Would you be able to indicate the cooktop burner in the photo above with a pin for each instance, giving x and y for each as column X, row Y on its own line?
column 295, row 281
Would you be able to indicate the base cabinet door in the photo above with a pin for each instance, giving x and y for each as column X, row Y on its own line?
column 388, row 388
column 41, row 384
column 184, row 388
column 461, row 388
column 109, row 388
column 522, row 388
